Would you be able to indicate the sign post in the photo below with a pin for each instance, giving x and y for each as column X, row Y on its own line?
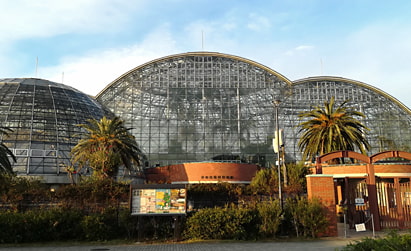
column 158, row 200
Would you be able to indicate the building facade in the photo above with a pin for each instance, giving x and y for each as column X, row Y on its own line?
column 198, row 107
column 193, row 107
column 205, row 107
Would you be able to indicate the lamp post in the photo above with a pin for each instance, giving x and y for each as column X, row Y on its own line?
column 277, row 144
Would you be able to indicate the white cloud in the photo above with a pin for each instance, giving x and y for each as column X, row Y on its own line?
column 304, row 47
column 378, row 55
column 218, row 36
column 299, row 49
column 91, row 73
column 44, row 18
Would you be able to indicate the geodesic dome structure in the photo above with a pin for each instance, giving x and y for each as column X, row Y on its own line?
column 206, row 106
column 43, row 116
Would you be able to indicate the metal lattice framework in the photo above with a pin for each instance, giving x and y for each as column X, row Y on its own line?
column 388, row 119
column 204, row 106
column 43, row 116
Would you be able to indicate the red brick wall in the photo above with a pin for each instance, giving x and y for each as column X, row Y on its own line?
column 202, row 172
column 344, row 169
column 348, row 169
column 392, row 168
column 322, row 187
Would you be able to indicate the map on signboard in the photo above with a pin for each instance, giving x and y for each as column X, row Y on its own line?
column 158, row 201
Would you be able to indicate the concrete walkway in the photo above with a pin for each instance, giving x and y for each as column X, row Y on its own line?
column 329, row 243
column 216, row 246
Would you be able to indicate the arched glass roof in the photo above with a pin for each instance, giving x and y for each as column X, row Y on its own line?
column 199, row 107
column 387, row 118
column 205, row 106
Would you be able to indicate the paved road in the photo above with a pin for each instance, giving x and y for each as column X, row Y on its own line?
column 238, row 246
column 331, row 244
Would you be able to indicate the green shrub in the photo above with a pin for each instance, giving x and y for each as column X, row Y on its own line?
column 11, row 227
column 65, row 224
column 93, row 195
column 215, row 195
column 127, row 223
column 94, row 228
column 39, row 225
column 157, row 227
column 20, row 193
column 269, row 213
column 62, row 224
column 222, row 223
column 393, row 241
column 307, row 216
column 260, row 220
column 102, row 226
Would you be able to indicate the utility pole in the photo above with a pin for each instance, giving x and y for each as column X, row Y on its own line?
column 277, row 149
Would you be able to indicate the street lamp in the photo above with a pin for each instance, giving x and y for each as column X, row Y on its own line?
column 277, row 149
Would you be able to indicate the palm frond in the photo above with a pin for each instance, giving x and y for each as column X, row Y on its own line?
column 331, row 128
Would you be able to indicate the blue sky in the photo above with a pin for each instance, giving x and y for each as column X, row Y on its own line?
column 89, row 43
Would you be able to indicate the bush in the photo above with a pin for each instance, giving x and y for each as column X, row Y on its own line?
column 127, row 223
column 393, row 241
column 103, row 226
column 11, row 227
column 157, row 227
column 222, row 223
column 95, row 210
column 269, row 213
column 21, row 193
column 215, row 195
column 93, row 195
column 95, row 228
column 39, row 225
column 62, row 225
column 261, row 220
column 307, row 216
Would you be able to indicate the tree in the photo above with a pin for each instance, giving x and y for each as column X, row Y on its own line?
column 297, row 183
column 105, row 146
column 265, row 182
column 5, row 153
column 330, row 129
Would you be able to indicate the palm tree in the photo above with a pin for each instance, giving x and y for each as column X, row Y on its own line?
column 331, row 128
column 5, row 164
column 105, row 146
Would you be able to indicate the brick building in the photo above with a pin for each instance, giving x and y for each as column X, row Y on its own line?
column 373, row 190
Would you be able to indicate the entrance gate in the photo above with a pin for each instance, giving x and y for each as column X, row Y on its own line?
column 394, row 200
column 394, row 203
column 357, row 213
column 385, row 191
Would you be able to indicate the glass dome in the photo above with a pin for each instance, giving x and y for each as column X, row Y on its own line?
column 206, row 106
column 43, row 116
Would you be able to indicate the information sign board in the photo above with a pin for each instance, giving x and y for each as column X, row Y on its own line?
column 158, row 199
column 359, row 202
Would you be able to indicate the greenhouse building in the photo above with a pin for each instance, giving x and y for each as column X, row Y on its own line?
column 198, row 116
column 43, row 116
column 216, row 108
